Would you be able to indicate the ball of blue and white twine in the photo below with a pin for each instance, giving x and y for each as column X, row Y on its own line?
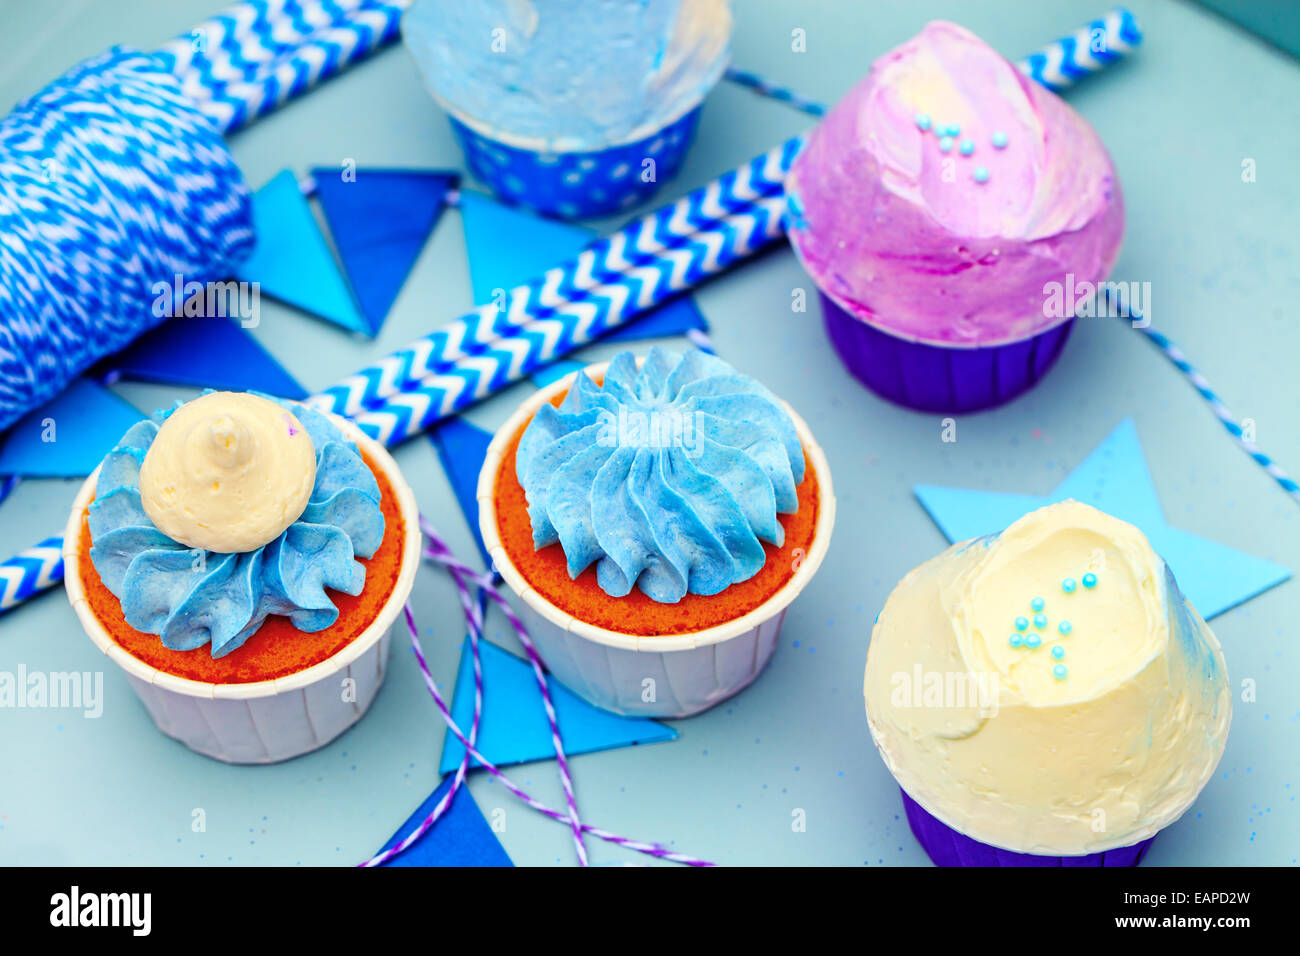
column 111, row 181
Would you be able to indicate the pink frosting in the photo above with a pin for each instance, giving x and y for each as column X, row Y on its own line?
column 901, row 234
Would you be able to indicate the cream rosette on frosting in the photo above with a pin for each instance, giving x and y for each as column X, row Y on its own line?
column 228, row 472
column 211, row 515
column 1048, row 690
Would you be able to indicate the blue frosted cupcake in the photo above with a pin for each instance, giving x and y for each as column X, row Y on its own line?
column 1046, row 696
column 573, row 107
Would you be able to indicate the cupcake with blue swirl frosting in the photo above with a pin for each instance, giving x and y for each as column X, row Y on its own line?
column 242, row 547
column 664, row 512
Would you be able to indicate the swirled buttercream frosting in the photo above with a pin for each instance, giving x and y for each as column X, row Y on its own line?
column 668, row 476
column 193, row 596
column 1048, row 689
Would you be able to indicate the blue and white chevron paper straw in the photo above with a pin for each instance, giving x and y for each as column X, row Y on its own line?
column 1056, row 66
column 1093, row 46
column 639, row 266
column 259, row 54
column 31, row 572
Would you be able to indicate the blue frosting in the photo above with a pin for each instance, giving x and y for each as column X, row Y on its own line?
column 667, row 477
column 569, row 74
column 190, row 597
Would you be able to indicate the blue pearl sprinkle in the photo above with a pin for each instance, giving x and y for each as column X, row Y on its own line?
column 981, row 174
column 945, row 144
column 1068, row 585
column 1038, row 604
column 1059, row 672
column 1040, row 620
column 1032, row 641
column 1065, row 627
column 1022, row 623
column 1058, row 652
column 999, row 140
column 1090, row 581
column 966, row 147
column 1015, row 640
column 952, row 129
column 923, row 121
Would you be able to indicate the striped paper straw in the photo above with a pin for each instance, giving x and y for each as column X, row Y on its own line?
column 30, row 572
column 1056, row 66
column 1093, row 46
column 614, row 279
column 267, row 53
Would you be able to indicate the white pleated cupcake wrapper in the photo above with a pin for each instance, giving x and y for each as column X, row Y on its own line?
column 270, row 720
column 649, row 683
column 662, row 676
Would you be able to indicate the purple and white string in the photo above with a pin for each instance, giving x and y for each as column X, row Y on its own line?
column 464, row 576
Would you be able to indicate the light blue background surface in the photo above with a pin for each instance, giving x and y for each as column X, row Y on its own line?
column 1224, row 263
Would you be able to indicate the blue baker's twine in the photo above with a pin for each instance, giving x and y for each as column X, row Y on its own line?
column 30, row 571
column 1119, row 302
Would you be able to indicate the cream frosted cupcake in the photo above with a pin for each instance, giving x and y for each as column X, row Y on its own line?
column 242, row 559
column 1046, row 696
column 656, row 518
column 574, row 107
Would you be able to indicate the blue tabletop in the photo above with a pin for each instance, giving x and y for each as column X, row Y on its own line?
column 1222, row 254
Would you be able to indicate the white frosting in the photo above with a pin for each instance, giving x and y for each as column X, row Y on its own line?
column 986, row 737
column 228, row 472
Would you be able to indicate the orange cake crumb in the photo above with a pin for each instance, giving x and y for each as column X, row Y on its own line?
column 547, row 572
column 277, row 649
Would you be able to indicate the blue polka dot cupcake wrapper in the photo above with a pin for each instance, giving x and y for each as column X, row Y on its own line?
column 578, row 185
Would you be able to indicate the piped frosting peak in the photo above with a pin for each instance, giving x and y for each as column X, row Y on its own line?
column 668, row 476
column 191, row 596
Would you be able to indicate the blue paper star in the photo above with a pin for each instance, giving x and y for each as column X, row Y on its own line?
column 1115, row 479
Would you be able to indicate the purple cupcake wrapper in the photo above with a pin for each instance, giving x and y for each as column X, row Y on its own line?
column 947, row 847
column 577, row 185
column 937, row 378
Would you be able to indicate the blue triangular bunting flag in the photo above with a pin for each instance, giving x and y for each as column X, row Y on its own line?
column 379, row 222
column 1114, row 478
column 514, row 728
column 68, row 437
column 292, row 261
column 206, row 351
column 507, row 246
column 461, row 837
column 462, row 447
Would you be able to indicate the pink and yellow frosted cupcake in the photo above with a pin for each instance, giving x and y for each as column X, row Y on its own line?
column 934, row 207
